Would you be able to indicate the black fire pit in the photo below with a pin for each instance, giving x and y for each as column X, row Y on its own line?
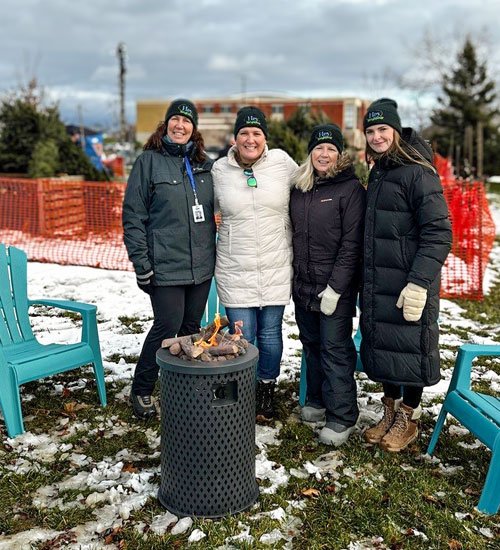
column 207, row 435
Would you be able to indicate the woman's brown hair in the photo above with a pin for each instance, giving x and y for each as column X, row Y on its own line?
column 400, row 151
column 154, row 142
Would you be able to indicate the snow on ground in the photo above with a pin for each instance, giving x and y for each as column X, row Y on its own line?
column 115, row 491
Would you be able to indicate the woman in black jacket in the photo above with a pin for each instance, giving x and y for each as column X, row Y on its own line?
column 169, row 232
column 327, row 208
column 407, row 239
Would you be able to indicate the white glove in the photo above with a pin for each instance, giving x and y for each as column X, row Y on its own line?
column 412, row 299
column 329, row 300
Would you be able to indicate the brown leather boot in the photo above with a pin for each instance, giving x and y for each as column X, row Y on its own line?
column 403, row 431
column 377, row 432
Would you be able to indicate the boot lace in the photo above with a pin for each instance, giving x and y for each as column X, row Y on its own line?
column 267, row 396
column 401, row 423
column 387, row 417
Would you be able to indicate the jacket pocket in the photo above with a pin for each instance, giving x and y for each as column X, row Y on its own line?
column 225, row 238
column 162, row 177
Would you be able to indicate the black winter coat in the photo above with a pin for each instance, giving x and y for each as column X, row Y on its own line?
column 159, row 230
column 327, row 224
column 407, row 238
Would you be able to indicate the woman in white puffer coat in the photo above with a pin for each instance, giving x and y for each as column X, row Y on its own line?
column 254, row 248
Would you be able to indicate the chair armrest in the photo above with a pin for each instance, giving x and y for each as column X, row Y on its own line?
column 69, row 305
column 87, row 311
column 463, row 364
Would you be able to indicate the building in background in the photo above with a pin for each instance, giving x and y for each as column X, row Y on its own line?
column 217, row 114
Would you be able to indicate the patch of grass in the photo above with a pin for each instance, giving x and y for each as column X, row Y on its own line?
column 73, row 315
column 485, row 310
column 372, row 387
column 115, row 358
column 133, row 324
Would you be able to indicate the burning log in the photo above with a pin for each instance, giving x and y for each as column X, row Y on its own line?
column 211, row 344
column 191, row 350
column 214, row 327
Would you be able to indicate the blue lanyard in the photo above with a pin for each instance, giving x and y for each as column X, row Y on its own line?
column 189, row 171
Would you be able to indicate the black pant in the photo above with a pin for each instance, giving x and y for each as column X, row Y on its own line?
column 177, row 311
column 331, row 361
column 412, row 395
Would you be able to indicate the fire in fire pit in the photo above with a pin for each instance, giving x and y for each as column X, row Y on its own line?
column 212, row 343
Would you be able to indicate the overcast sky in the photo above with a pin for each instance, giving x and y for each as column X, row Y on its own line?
column 200, row 48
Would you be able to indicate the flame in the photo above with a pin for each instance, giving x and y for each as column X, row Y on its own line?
column 213, row 339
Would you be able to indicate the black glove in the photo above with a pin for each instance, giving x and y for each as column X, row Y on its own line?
column 145, row 282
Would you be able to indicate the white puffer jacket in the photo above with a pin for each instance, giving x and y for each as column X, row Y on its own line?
column 254, row 248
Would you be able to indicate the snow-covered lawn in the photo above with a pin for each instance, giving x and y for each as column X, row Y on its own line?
column 113, row 489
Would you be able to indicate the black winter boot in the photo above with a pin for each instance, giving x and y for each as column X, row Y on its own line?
column 144, row 406
column 265, row 400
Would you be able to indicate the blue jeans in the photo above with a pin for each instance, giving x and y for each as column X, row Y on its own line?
column 262, row 326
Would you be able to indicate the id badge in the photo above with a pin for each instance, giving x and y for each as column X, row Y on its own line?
column 198, row 214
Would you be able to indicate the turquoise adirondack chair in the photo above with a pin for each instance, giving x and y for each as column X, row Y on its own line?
column 479, row 413
column 303, row 368
column 22, row 358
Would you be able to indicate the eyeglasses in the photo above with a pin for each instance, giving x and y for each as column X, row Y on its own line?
column 251, row 180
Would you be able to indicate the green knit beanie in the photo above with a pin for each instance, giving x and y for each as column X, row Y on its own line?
column 383, row 111
column 182, row 107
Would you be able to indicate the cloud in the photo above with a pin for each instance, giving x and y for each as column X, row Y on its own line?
column 203, row 48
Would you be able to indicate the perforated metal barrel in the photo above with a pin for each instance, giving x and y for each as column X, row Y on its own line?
column 207, row 435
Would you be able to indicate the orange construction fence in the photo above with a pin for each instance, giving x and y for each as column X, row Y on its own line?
column 79, row 223
column 64, row 221
column 473, row 234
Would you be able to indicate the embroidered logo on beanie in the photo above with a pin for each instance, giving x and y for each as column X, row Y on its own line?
column 324, row 135
column 186, row 110
column 252, row 120
column 373, row 116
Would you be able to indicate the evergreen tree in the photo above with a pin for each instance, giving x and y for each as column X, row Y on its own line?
column 33, row 139
column 293, row 135
column 468, row 98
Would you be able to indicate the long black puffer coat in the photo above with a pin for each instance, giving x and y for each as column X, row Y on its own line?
column 327, row 224
column 407, row 238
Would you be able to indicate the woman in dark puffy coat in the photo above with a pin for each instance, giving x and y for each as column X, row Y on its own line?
column 327, row 208
column 169, row 232
column 407, row 239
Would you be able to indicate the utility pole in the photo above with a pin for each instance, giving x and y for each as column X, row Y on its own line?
column 82, row 128
column 120, row 52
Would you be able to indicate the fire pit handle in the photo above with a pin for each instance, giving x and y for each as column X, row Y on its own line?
column 225, row 394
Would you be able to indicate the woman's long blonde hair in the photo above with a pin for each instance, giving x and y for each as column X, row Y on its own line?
column 400, row 152
column 304, row 176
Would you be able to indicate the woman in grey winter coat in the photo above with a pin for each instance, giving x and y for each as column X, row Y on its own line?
column 327, row 208
column 407, row 238
column 169, row 231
